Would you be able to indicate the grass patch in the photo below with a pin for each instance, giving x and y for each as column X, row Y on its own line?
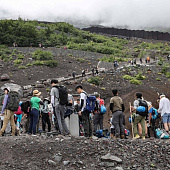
column 17, row 61
column 135, row 81
column 127, row 77
column 94, row 80
column 22, row 67
column 158, row 79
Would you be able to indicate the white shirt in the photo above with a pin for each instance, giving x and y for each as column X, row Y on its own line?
column 164, row 106
column 84, row 97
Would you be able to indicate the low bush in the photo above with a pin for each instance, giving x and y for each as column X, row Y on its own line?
column 127, row 77
column 158, row 79
column 94, row 80
column 140, row 77
column 51, row 63
column 168, row 74
column 42, row 55
column 22, row 67
column 135, row 81
column 17, row 61
column 38, row 63
column 20, row 56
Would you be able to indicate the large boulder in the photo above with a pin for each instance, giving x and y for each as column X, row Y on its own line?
column 14, row 87
column 5, row 77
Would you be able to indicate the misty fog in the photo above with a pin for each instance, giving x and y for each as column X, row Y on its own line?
column 133, row 14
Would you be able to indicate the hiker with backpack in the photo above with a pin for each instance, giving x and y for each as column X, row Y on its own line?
column 98, row 115
column 141, row 109
column 164, row 109
column 18, row 114
column 45, row 115
column 117, row 108
column 59, row 100
column 34, row 113
column 85, row 111
column 10, row 104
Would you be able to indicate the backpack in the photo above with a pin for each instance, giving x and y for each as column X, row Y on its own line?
column 63, row 95
column 142, row 109
column 19, row 111
column 154, row 113
column 90, row 103
column 161, row 134
column 13, row 101
column 102, row 107
column 25, row 106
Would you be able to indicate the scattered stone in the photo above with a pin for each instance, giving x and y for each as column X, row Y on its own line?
column 66, row 162
column 51, row 162
column 111, row 158
column 5, row 77
column 118, row 168
column 57, row 158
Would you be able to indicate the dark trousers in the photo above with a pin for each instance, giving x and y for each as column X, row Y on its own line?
column 117, row 120
column 97, row 121
column 34, row 114
column 46, row 119
column 55, row 120
column 85, row 115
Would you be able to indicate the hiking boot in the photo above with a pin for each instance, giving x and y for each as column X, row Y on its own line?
column 122, row 136
column 137, row 137
column 146, row 136
column 143, row 137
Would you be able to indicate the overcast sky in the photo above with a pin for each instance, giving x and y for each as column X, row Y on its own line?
column 136, row 14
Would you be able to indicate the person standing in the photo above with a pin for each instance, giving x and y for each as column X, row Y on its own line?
column 8, row 114
column 164, row 109
column 117, row 109
column 58, row 109
column 138, row 118
column 98, row 116
column 45, row 115
column 34, row 114
column 85, row 115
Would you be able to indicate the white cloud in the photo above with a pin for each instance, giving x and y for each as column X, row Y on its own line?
column 132, row 13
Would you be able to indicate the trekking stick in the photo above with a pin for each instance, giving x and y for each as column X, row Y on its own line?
column 131, row 120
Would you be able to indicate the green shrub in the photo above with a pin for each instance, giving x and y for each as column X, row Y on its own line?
column 20, row 56
column 164, row 69
column 140, row 77
column 42, row 55
column 22, row 67
column 127, row 77
column 94, row 80
column 17, row 61
column 80, row 59
column 51, row 63
column 135, row 81
column 158, row 79
column 29, row 64
column 168, row 74
column 38, row 63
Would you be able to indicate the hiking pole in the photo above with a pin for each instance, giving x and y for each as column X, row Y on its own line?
column 131, row 120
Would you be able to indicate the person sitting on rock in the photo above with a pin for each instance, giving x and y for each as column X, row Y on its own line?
column 117, row 109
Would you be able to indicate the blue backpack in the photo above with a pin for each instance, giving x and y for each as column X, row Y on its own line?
column 161, row 134
column 90, row 103
column 154, row 113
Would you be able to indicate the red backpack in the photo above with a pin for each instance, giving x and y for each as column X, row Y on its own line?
column 19, row 111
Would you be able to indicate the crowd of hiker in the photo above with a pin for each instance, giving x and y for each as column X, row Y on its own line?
column 90, row 110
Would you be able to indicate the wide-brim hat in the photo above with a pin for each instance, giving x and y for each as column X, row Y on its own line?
column 47, row 99
column 7, row 88
column 36, row 93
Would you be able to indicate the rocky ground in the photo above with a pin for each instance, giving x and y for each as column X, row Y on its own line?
column 56, row 152
column 26, row 152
